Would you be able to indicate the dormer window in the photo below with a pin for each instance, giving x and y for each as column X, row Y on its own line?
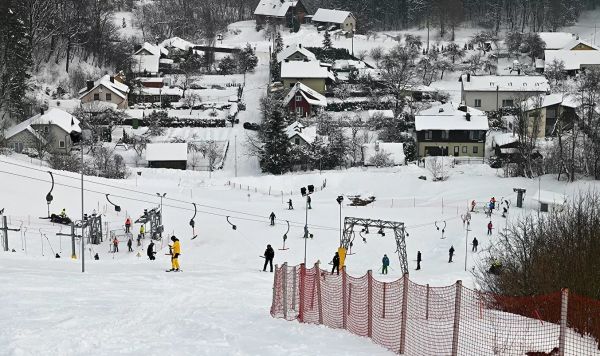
column 298, row 98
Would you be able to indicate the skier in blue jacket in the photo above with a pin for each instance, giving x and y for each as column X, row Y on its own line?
column 386, row 262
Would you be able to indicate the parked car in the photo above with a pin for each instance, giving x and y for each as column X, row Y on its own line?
column 251, row 126
column 30, row 152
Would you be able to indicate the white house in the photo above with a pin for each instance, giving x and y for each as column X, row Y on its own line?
column 574, row 61
column 311, row 74
column 301, row 135
column 146, row 59
column 106, row 89
column 393, row 150
column 343, row 20
column 167, row 155
column 492, row 92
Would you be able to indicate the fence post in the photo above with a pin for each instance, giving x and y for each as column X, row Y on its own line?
column 456, row 327
column 427, row 303
column 273, row 302
column 344, row 299
column 294, row 286
column 370, row 303
column 404, row 313
column 564, row 305
column 301, row 293
column 318, row 285
column 284, row 287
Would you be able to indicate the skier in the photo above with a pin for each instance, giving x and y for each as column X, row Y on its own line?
column 115, row 245
column 473, row 203
column 57, row 256
column 272, row 217
column 490, row 226
column 450, row 254
column 142, row 230
column 150, row 251
column 127, row 225
column 493, row 202
column 308, row 201
column 504, row 212
column 63, row 213
column 129, row 243
column 269, row 255
column 336, row 263
column 96, row 257
column 386, row 262
column 175, row 252
column 418, row 260
column 139, row 240
column 475, row 244
column 290, row 205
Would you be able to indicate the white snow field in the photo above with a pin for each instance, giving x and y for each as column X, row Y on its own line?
column 125, row 304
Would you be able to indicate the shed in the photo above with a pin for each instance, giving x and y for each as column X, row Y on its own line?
column 167, row 155
column 549, row 200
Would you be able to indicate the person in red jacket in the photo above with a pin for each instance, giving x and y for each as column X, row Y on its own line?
column 490, row 227
column 127, row 225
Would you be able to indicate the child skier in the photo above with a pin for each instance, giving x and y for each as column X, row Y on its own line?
column 490, row 226
column 175, row 252
column 272, row 217
column 115, row 245
column 127, row 225
column 290, row 205
column 386, row 262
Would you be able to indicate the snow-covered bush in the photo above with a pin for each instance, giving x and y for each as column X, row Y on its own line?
column 381, row 159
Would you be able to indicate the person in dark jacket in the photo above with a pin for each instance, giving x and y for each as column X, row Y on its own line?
column 336, row 263
column 272, row 217
column 418, row 260
column 269, row 256
column 386, row 262
column 150, row 251
column 490, row 226
column 450, row 254
column 475, row 244
column 129, row 244
column 96, row 257
column 309, row 201
column 290, row 205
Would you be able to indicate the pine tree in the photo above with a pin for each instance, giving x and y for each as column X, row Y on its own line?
column 327, row 40
column 275, row 154
column 247, row 60
column 278, row 44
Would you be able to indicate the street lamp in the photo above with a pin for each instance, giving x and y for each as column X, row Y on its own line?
column 467, row 219
column 339, row 200
column 77, row 137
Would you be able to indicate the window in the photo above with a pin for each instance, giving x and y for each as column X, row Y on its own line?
column 428, row 135
column 18, row 146
column 456, row 151
column 464, row 149
column 61, row 144
column 298, row 97
column 46, row 129
column 475, row 135
column 445, row 134
column 108, row 97
column 477, row 103
column 297, row 141
column 475, row 149
column 507, row 102
column 300, row 111
column 96, row 97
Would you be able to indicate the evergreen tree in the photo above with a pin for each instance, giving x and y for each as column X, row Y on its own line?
column 278, row 44
column 327, row 40
column 275, row 153
column 227, row 66
column 15, row 58
column 247, row 60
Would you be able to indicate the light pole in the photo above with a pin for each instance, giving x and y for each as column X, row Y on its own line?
column 303, row 191
column 82, row 237
column 468, row 220
column 340, row 199
column 160, row 216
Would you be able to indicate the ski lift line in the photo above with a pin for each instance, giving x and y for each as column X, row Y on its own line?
column 295, row 224
column 166, row 198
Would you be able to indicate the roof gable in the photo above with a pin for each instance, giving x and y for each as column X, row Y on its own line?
column 291, row 50
column 448, row 117
column 115, row 87
column 332, row 16
column 53, row 116
column 275, row 8
column 310, row 95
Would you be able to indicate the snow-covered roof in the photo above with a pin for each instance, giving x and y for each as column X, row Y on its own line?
column 310, row 95
column 177, row 42
column 166, row 152
column 504, row 139
column 556, row 40
column 542, row 101
column 511, row 83
column 53, row 116
column 386, row 114
column 347, row 64
column 115, row 86
column 276, row 8
column 68, row 105
column 549, row 197
column 298, row 69
column 308, row 134
column 448, row 117
column 575, row 42
column 154, row 50
column 145, row 63
column 573, row 60
column 162, row 91
column 332, row 16
column 290, row 50
column 395, row 149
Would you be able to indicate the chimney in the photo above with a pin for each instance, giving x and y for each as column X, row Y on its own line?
column 300, row 45
column 112, row 79
column 90, row 84
column 468, row 77
column 468, row 117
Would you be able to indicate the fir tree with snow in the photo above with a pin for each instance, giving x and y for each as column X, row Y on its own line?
column 274, row 156
column 327, row 44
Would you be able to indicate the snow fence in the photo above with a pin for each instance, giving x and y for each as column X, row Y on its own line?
column 413, row 319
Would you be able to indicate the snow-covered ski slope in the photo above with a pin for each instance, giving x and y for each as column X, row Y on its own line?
column 125, row 304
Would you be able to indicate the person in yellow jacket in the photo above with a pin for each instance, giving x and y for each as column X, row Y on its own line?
column 175, row 252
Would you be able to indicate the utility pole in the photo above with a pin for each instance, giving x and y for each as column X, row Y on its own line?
column 468, row 219
column 82, row 214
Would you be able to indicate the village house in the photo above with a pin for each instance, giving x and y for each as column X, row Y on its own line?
column 394, row 152
column 146, row 59
column 343, row 20
column 451, row 129
column 301, row 135
column 304, row 101
column 106, row 89
column 49, row 129
column 282, row 12
column 492, row 92
column 295, row 53
column 309, row 73
column 167, row 155
column 547, row 109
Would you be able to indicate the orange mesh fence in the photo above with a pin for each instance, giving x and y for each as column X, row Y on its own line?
column 412, row 319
